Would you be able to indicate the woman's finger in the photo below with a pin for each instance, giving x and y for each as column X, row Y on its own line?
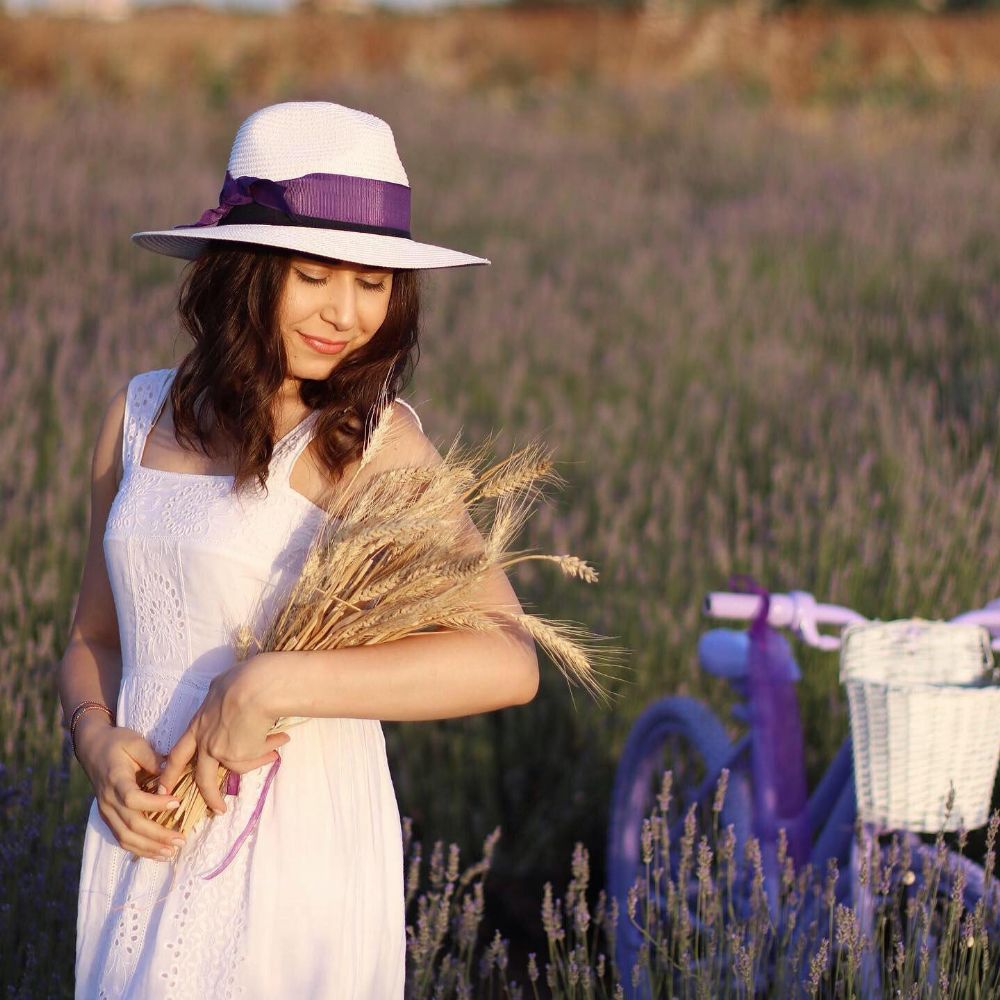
column 135, row 843
column 275, row 740
column 129, row 798
column 242, row 766
column 143, row 755
column 133, row 797
column 177, row 760
column 206, row 776
column 150, row 830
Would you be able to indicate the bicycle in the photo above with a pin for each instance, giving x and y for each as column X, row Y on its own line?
column 766, row 790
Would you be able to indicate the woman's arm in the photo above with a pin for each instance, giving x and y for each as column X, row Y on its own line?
column 434, row 675
column 90, row 669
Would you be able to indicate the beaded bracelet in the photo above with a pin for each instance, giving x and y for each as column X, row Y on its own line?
column 79, row 712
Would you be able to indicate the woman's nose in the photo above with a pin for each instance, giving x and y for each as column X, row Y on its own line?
column 340, row 307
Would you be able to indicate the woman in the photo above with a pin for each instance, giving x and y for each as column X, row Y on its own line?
column 208, row 481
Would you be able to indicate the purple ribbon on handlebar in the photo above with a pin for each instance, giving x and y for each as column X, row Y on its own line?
column 747, row 584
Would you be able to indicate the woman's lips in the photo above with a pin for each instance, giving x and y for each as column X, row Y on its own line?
column 324, row 346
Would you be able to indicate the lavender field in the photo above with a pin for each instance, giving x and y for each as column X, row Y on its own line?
column 756, row 343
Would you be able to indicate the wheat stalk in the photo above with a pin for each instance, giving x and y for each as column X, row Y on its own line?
column 395, row 556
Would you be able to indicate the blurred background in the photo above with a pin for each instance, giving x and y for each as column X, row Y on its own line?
column 744, row 282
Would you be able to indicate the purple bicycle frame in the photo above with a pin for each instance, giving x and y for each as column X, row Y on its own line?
column 779, row 778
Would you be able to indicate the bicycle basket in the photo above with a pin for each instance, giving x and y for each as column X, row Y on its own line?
column 924, row 702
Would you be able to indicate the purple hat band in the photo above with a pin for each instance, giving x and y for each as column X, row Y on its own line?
column 324, row 201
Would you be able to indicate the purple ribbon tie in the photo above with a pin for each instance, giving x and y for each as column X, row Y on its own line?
column 251, row 823
column 232, row 786
column 243, row 191
column 319, row 200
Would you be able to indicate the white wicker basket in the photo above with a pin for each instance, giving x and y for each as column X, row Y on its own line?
column 925, row 716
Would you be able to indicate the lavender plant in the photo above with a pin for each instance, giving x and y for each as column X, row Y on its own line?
column 899, row 941
column 757, row 343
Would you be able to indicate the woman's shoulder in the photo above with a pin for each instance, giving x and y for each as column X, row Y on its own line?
column 400, row 440
column 130, row 393
column 125, row 403
column 150, row 379
column 144, row 390
column 136, row 391
column 413, row 412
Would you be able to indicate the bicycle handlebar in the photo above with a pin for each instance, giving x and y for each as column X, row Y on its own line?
column 800, row 612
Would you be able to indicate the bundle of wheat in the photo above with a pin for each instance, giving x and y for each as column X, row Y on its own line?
column 401, row 554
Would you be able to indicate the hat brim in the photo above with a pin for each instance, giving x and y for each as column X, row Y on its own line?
column 337, row 244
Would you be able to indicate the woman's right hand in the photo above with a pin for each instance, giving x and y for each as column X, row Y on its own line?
column 111, row 757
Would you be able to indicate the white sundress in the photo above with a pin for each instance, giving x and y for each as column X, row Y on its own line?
column 312, row 904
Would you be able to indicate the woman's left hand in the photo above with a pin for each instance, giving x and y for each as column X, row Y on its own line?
column 229, row 728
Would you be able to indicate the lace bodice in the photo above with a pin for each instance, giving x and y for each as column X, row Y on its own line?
column 174, row 542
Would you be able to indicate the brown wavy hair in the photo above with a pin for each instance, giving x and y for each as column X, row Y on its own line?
column 227, row 383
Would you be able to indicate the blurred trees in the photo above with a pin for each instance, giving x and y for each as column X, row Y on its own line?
column 682, row 6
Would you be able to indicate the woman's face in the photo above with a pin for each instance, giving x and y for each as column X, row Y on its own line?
column 326, row 303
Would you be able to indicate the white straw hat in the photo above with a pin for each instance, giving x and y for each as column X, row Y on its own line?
column 316, row 177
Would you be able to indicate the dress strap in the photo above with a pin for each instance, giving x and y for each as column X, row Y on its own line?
column 288, row 449
column 413, row 411
column 143, row 399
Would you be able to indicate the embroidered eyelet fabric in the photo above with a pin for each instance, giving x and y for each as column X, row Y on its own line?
column 312, row 905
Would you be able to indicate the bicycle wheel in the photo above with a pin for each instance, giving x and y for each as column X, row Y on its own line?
column 684, row 736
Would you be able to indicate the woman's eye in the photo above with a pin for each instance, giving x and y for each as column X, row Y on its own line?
column 312, row 281
column 371, row 286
